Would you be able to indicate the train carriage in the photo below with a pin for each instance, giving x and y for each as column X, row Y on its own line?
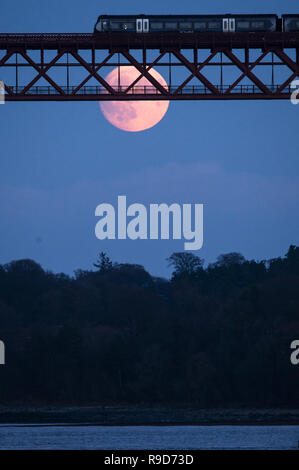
column 192, row 23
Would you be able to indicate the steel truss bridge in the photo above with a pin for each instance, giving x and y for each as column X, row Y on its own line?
column 195, row 66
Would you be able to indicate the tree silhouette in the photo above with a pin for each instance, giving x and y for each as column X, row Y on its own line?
column 229, row 259
column 103, row 263
column 184, row 263
column 211, row 337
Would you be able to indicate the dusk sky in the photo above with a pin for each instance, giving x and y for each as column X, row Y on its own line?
column 60, row 160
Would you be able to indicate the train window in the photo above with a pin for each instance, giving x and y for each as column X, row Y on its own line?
column 200, row 26
column 243, row 24
column 214, row 25
column 186, row 25
column 115, row 26
column 171, row 25
column 157, row 25
column 129, row 26
column 258, row 24
column 297, row 24
column 105, row 25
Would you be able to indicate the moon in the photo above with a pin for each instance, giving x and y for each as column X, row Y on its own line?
column 133, row 116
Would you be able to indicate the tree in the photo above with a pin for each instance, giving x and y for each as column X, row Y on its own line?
column 292, row 258
column 103, row 263
column 185, row 263
column 229, row 259
column 24, row 267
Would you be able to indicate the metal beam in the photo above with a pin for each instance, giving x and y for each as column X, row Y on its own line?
column 240, row 52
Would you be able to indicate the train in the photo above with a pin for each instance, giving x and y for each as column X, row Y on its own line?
column 196, row 23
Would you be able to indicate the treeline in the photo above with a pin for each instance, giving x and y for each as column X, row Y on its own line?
column 215, row 336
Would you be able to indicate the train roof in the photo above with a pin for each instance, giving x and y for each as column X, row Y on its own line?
column 259, row 15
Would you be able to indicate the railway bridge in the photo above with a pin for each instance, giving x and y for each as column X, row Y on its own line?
column 195, row 66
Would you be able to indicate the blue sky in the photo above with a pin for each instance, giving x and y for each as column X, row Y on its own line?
column 60, row 160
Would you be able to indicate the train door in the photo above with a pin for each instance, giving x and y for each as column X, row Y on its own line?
column 145, row 26
column 225, row 25
column 232, row 25
column 139, row 25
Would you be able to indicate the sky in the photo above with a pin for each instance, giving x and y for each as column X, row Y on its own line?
column 58, row 161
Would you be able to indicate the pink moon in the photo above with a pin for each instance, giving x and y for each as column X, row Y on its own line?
column 133, row 116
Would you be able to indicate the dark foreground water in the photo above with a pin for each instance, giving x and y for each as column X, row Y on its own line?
column 148, row 437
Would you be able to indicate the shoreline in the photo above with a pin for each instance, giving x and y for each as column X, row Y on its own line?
column 74, row 425
column 138, row 416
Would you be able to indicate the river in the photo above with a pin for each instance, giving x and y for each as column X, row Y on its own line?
column 147, row 437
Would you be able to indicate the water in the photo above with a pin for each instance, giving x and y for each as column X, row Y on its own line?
column 148, row 437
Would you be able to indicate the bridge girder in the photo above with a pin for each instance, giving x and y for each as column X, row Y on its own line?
column 195, row 63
